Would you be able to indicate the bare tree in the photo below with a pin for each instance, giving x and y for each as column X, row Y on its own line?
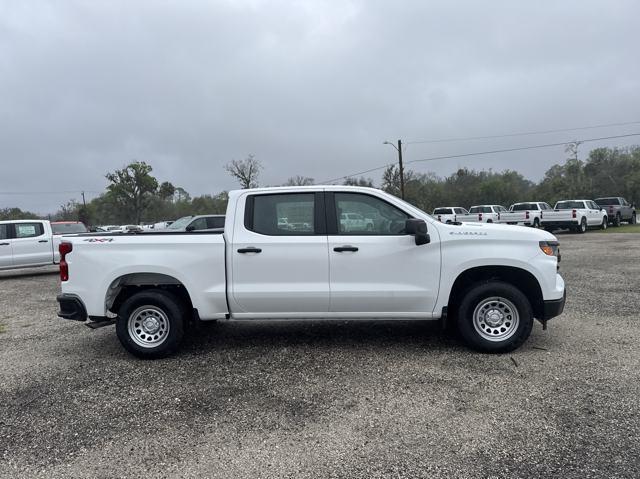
column 299, row 181
column 245, row 171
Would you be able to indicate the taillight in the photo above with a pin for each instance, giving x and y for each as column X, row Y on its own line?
column 611, row 209
column 574, row 214
column 479, row 216
column 65, row 249
column 526, row 215
column 439, row 218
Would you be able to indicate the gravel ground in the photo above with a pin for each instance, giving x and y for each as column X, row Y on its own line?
column 330, row 399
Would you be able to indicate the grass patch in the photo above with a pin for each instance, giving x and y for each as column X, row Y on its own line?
column 624, row 228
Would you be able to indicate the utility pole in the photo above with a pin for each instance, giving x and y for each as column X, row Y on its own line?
column 401, row 169
column 84, row 203
column 400, row 166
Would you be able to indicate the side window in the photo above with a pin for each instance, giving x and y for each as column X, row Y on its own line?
column 4, row 231
column 199, row 224
column 215, row 222
column 371, row 215
column 28, row 230
column 284, row 214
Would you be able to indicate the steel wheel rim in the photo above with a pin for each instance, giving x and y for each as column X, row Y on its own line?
column 148, row 326
column 496, row 319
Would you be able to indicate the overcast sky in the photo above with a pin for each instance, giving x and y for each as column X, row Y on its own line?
column 310, row 88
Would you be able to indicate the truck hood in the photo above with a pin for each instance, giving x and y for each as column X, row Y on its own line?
column 497, row 231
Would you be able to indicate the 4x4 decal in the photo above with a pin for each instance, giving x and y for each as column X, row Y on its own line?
column 99, row 240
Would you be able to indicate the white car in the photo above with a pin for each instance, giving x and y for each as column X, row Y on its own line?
column 26, row 244
column 576, row 215
column 526, row 214
column 449, row 214
column 351, row 222
column 494, row 279
column 483, row 214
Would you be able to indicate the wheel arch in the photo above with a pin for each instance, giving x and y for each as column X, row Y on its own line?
column 126, row 285
column 522, row 279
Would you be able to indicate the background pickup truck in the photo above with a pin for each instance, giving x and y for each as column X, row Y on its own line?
column 490, row 280
column 527, row 214
column 483, row 214
column 449, row 214
column 26, row 244
column 618, row 210
column 576, row 215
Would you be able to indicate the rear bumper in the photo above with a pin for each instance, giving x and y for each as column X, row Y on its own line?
column 559, row 224
column 71, row 307
column 553, row 307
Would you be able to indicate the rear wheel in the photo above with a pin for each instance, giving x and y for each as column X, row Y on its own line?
column 582, row 227
column 495, row 317
column 536, row 223
column 617, row 220
column 150, row 323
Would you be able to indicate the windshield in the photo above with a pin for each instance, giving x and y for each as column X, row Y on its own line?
column 569, row 205
column 608, row 202
column 180, row 224
column 68, row 228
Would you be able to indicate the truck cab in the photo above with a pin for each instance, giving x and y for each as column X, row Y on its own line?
column 26, row 244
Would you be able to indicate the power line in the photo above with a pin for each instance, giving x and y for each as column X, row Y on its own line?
column 479, row 153
column 527, row 133
column 47, row 192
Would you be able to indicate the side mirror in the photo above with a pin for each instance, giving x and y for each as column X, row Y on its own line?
column 191, row 228
column 417, row 228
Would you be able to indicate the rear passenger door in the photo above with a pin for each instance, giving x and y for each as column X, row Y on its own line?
column 595, row 213
column 31, row 247
column 279, row 271
column 6, row 250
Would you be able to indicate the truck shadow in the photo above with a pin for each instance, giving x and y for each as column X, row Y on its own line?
column 29, row 272
column 275, row 334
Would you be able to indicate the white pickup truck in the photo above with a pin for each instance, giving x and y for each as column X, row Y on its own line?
column 27, row 244
column 483, row 214
column 576, row 215
column 526, row 214
column 491, row 280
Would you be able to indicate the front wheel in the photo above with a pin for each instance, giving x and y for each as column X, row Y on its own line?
column 150, row 324
column 605, row 223
column 495, row 317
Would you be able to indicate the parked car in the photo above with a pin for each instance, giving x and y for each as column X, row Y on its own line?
column 483, row 214
column 26, row 244
column 493, row 279
column 161, row 225
column 448, row 214
column 618, row 210
column 129, row 229
column 527, row 214
column 197, row 223
column 576, row 215
column 350, row 222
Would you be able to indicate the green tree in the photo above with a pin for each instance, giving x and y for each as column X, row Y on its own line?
column 132, row 189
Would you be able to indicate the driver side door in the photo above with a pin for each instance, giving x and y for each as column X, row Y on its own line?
column 377, row 271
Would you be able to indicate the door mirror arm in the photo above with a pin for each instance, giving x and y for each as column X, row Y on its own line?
column 418, row 229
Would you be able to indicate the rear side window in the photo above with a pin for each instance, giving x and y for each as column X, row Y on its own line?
column 460, row 211
column 4, row 231
column 480, row 209
column 215, row 222
column 290, row 214
column 28, row 230
column 442, row 211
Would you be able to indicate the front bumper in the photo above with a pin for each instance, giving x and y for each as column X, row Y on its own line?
column 553, row 307
column 71, row 307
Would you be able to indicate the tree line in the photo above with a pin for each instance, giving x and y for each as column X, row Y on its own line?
column 134, row 195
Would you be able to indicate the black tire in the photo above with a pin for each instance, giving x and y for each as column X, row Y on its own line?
column 605, row 223
column 632, row 220
column 169, row 314
column 517, row 328
column 582, row 227
column 617, row 220
column 489, row 221
column 536, row 223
